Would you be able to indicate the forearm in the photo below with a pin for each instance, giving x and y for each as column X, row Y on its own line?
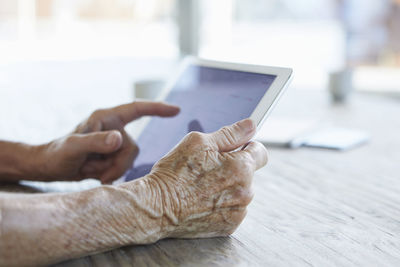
column 18, row 161
column 44, row 229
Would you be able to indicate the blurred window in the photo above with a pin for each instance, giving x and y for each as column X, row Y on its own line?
column 302, row 34
column 72, row 29
column 313, row 36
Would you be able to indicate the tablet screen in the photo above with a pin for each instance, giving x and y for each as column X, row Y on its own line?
column 209, row 98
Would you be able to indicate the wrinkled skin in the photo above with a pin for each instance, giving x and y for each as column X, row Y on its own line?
column 205, row 186
column 200, row 189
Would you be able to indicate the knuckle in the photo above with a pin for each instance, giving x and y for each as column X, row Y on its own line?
column 245, row 197
column 242, row 167
column 87, row 126
column 232, row 165
column 260, row 152
column 97, row 113
column 195, row 137
column 70, row 139
column 263, row 150
column 82, row 127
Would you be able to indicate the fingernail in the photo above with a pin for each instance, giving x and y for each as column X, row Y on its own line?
column 247, row 125
column 112, row 138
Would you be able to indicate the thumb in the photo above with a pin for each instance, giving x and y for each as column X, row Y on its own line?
column 98, row 142
column 231, row 137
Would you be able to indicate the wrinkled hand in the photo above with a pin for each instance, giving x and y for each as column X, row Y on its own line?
column 205, row 184
column 99, row 147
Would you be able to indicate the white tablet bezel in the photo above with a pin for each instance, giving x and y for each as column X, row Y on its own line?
column 267, row 102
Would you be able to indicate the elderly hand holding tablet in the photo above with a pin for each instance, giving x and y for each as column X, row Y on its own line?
column 191, row 177
column 211, row 95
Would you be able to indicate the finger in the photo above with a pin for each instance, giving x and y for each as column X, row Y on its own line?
column 257, row 152
column 116, row 171
column 231, row 137
column 132, row 111
column 89, row 125
column 239, row 196
column 96, row 166
column 122, row 162
column 97, row 142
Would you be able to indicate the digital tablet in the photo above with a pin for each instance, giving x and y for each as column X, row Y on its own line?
column 211, row 95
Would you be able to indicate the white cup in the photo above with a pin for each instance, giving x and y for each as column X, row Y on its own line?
column 341, row 84
column 148, row 89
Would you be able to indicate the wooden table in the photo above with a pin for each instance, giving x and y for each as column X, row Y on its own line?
column 312, row 207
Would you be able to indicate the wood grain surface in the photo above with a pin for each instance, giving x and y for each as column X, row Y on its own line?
column 312, row 207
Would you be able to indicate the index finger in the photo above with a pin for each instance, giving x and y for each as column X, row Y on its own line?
column 137, row 109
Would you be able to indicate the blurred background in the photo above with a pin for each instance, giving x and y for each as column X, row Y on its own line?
column 105, row 45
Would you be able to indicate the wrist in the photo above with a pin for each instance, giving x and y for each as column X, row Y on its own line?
column 147, row 200
column 19, row 161
column 39, row 163
column 33, row 163
column 166, row 199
